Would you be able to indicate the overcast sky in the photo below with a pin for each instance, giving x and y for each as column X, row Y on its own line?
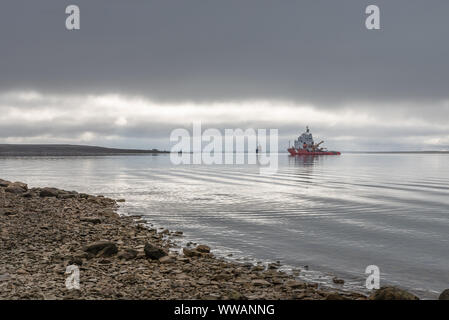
column 138, row 69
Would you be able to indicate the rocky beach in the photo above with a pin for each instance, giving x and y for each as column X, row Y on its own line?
column 45, row 230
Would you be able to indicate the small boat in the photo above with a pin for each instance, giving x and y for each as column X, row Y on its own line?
column 305, row 146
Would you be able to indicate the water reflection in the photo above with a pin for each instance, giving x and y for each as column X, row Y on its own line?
column 303, row 160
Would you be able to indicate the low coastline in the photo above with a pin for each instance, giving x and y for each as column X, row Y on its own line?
column 44, row 230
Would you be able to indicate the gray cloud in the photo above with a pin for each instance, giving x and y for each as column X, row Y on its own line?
column 316, row 51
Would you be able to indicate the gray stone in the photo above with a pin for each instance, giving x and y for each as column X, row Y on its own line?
column 102, row 248
column 4, row 183
column 153, row 252
column 49, row 192
column 16, row 187
column 392, row 293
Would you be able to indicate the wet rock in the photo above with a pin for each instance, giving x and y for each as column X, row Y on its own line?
column 152, row 252
column 4, row 183
column 392, row 293
column 202, row 248
column 48, row 192
column 191, row 253
column 102, row 248
column 17, row 188
column 338, row 280
column 444, row 295
column 273, row 266
column 121, row 200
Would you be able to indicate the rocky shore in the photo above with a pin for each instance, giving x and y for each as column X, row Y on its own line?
column 44, row 230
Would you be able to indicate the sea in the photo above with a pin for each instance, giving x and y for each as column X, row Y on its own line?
column 321, row 217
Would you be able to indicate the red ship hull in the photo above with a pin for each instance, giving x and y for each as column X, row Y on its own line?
column 302, row 152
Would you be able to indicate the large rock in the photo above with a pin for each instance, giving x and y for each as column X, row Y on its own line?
column 191, row 252
column 17, row 187
column 392, row 293
column 203, row 248
column 153, row 252
column 49, row 192
column 444, row 295
column 102, row 248
column 4, row 183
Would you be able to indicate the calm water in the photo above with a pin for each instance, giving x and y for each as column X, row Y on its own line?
column 336, row 215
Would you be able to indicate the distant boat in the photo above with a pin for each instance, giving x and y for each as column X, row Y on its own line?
column 305, row 146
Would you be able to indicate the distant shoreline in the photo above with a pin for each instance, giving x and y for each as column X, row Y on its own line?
column 45, row 150
column 67, row 150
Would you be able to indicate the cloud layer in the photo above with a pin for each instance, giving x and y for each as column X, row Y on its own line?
column 116, row 120
column 137, row 70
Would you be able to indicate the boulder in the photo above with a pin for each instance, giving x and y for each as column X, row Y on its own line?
column 191, row 252
column 152, row 252
column 4, row 183
column 202, row 248
column 338, row 280
column 444, row 295
column 17, row 188
column 102, row 248
column 392, row 293
column 49, row 192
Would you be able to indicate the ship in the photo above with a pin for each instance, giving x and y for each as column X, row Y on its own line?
column 305, row 146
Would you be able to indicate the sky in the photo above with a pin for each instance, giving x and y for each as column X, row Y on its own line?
column 136, row 70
